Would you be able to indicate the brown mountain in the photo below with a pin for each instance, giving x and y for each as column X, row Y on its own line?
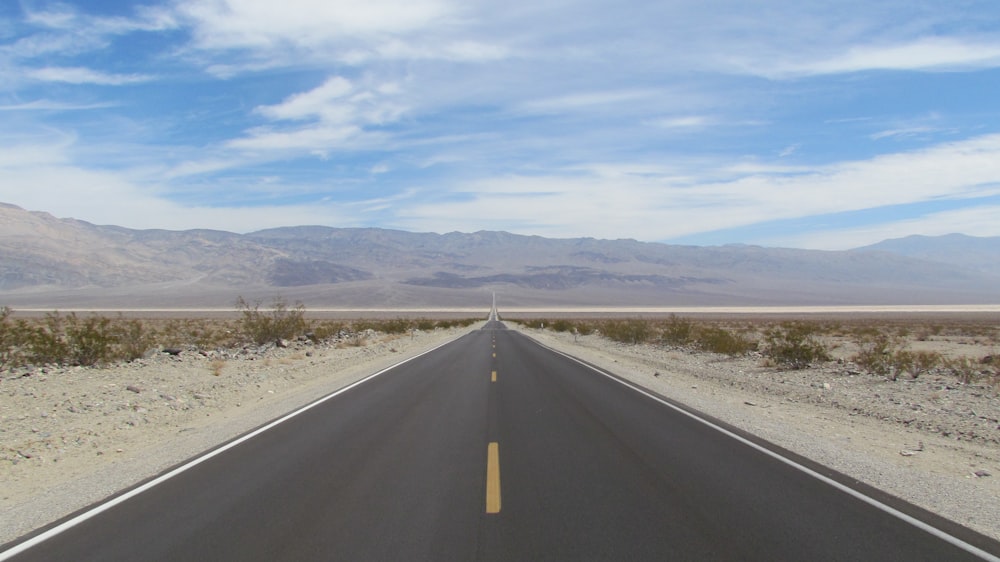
column 62, row 263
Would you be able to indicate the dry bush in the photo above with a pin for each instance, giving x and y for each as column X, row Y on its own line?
column 716, row 339
column 280, row 322
column 919, row 362
column 794, row 345
column 216, row 366
column 677, row 331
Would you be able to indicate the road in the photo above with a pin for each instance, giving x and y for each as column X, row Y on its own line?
column 495, row 448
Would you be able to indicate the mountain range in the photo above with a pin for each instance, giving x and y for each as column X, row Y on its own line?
column 48, row 262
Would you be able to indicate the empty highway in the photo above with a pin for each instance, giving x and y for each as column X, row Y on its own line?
column 493, row 447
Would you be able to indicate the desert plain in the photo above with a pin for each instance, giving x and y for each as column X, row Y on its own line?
column 72, row 436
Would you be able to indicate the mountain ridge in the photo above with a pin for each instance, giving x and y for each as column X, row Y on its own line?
column 44, row 260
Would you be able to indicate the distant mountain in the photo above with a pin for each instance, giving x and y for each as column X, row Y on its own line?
column 61, row 263
column 969, row 252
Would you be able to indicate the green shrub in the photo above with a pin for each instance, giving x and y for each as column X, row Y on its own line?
column 280, row 322
column 794, row 345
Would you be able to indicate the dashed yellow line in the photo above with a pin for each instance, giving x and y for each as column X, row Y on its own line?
column 493, row 377
column 493, row 478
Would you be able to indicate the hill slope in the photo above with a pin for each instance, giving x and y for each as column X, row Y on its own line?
column 50, row 262
column 968, row 252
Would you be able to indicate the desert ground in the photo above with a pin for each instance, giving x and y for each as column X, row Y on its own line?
column 73, row 435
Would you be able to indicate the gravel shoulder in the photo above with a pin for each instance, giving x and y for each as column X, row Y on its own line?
column 932, row 442
column 70, row 437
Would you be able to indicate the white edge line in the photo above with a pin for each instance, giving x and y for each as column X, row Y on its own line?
column 66, row 525
column 846, row 489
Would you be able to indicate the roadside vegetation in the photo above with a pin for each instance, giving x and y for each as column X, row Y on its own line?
column 96, row 340
column 890, row 349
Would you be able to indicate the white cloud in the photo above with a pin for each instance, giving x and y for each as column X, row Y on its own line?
column 316, row 139
column 930, row 54
column 619, row 203
column 79, row 75
column 904, row 132
column 320, row 102
column 42, row 177
column 340, row 111
column 789, row 150
column 584, row 100
column 685, row 122
column 224, row 24
column 49, row 105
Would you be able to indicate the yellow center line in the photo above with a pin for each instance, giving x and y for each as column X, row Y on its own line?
column 493, row 478
column 493, row 377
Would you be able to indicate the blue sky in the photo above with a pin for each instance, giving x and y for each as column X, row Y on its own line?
column 803, row 124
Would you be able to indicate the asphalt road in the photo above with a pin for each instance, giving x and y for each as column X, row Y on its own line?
column 495, row 448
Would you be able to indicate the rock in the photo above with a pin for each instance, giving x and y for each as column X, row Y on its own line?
column 981, row 474
column 133, row 388
column 172, row 350
column 282, row 344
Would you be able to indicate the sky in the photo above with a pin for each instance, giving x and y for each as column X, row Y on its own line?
column 807, row 124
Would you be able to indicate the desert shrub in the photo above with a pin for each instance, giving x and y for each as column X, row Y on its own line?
column 202, row 333
column 877, row 351
column 715, row 339
column 327, row 329
column 964, row 369
column 425, row 324
column 794, row 345
column 633, row 331
column 459, row 323
column 14, row 339
column 47, row 343
column 132, row 339
column 918, row 362
column 677, row 331
column 280, row 322
column 396, row 326
column 562, row 325
column 90, row 341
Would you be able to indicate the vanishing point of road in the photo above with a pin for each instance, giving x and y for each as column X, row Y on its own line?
column 493, row 447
